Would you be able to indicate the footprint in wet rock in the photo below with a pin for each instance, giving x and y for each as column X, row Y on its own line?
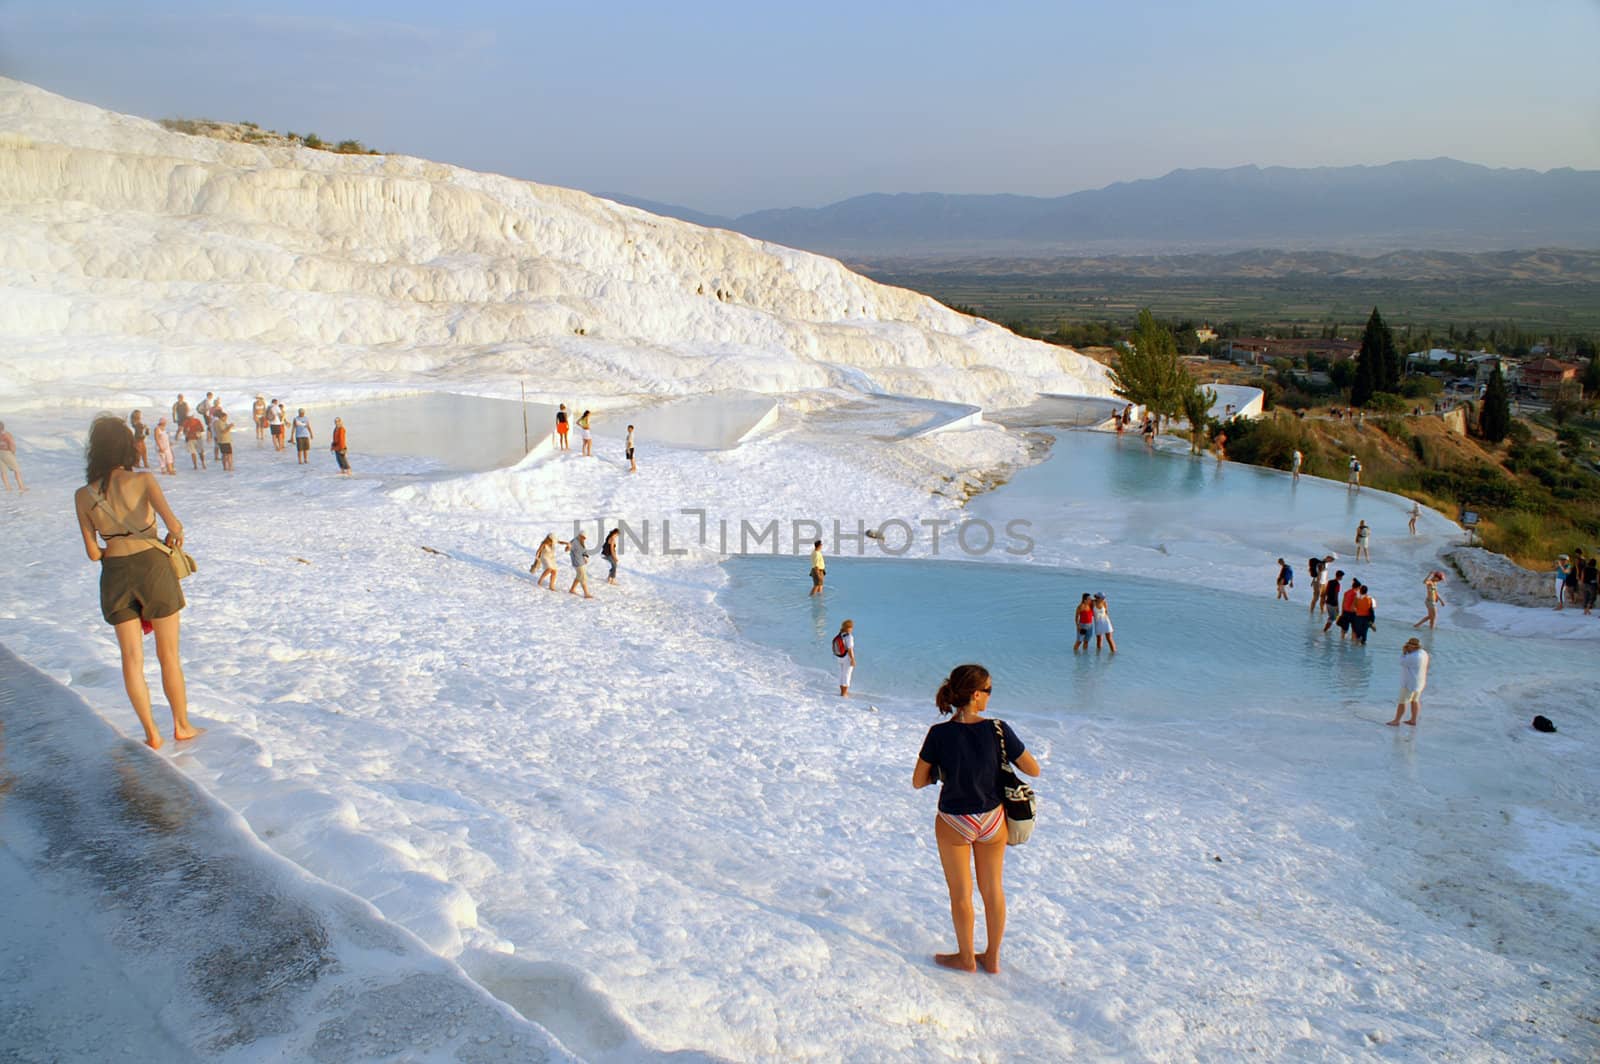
column 92, row 676
column 555, row 996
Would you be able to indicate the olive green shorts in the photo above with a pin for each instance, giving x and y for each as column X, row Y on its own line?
column 139, row 586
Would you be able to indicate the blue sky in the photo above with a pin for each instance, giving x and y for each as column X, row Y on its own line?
column 730, row 107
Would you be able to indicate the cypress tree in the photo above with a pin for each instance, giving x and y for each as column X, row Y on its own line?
column 1494, row 421
column 1379, row 367
column 1369, row 370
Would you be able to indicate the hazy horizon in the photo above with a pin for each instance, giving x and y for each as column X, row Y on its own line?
column 727, row 109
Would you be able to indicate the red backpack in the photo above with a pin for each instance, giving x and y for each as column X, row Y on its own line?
column 839, row 649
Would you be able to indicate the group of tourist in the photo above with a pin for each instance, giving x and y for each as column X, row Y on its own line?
column 207, row 422
column 1577, row 580
column 577, row 548
column 586, row 435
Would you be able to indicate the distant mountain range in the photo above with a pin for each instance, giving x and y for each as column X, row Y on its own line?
column 1551, row 266
column 1443, row 204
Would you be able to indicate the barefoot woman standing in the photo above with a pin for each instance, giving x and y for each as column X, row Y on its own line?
column 964, row 752
column 136, row 578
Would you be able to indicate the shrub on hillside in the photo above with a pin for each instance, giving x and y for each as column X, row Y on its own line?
column 1268, row 441
column 1481, row 486
column 1421, row 387
column 1518, row 430
column 1295, row 398
column 1518, row 533
column 1388, row 403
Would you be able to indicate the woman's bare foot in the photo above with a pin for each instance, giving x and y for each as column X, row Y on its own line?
column 988, row 963
column 953, row 960
column 186, row 733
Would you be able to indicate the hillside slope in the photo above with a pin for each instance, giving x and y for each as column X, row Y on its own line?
column 124, row 246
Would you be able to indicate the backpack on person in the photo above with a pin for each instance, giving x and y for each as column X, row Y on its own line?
column 839, row 648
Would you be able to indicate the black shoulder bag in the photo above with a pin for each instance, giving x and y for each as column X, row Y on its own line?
column 1016, row 796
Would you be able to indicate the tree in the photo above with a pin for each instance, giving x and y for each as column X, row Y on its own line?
column 1196, row 402
column 1494, row 421
column 1591, row 377
column 1149, row 373
column 1378, row 364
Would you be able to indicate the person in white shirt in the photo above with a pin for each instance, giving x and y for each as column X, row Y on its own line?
column 844, row 648
column 1299, row 459
column 1413, row 678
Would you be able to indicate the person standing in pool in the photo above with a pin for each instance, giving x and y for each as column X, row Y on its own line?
column 180, row 411
column 1355, row 473
column 544, row 562
column 341, row 446
column 194, row 432
column 1347, row 608
column 8, row 459
column 1366, row 614
column 1148, row 431
column 302, row 438
column 1318, row 568
column 966, row 753
column 1563, row 567
column 1431, row 599
column 258, row 415
column 633, row 466
column 1413, row 678
column 1083, row 623
column 1102, row 624
column 588, row 438
column 140, row 431
column 578, row 555
column 844, row 648
column 1591, row 585
column 137, row 583
column 562, row 427
column 1295, row 463
column 164, row 448
column 1363, row 541
column 1285, row 579
column 275, row 422
column 1416, row 512
column 222, row 433
column 819, row 568
column 609, row 551
column 1330, row 602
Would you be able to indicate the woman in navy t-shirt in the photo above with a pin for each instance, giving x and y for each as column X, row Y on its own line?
column 964, row 752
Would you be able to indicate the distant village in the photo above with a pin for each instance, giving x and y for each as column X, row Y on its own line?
column 1539, row 376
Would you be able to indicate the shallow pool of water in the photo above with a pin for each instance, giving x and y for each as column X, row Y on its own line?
column 444, row 430
column 1185, row 653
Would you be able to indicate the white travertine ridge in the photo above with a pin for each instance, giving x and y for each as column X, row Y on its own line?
column 189, row 257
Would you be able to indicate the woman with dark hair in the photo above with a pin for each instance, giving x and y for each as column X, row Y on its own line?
column 965, row 752
column 137, row 583
column 609, row 550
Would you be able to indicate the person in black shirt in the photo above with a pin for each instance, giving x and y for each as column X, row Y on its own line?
column 964, row 752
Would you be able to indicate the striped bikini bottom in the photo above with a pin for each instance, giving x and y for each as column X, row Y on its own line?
column 977, row 827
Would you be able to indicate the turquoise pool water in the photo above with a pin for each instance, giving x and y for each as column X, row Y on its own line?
column 1185, row 552
column 1185, row 653
column 1099, row 488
